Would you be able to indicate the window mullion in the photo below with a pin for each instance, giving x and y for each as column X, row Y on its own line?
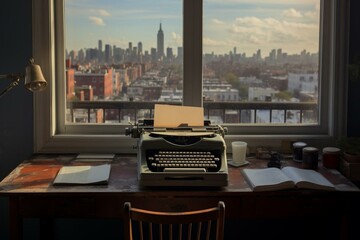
column 192, row 42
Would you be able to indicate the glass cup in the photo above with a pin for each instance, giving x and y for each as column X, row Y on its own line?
column 239, row 152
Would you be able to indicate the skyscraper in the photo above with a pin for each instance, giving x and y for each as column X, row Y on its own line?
column 129, row 50
column 169, row 53
column 160, row 43
column 100, row 46
column 100, row 51
column 140, row 50
column 108, row 54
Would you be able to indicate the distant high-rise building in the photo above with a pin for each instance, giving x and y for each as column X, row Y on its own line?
column 180, row 53
column 100, row 46
column 160, row 43
column 108, row 53
column 92, row 54
column 169, row 53
column 81, row 55
column 100, row 51
column 272, row 55
column 72, row 55
column 153, row 54
column 118, row 54
column 258, row 54
column 279, row 54
column 140, row 48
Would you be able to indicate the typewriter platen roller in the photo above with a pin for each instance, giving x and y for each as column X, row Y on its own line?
column 182, row 156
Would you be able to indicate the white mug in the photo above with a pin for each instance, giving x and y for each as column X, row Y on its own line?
column 239, row 151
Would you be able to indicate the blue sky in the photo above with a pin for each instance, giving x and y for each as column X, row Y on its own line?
column 248, row 25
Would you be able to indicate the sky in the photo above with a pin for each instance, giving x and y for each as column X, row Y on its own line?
column 248, row 25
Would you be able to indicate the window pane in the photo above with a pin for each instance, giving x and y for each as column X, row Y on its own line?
column 119, row 52
column 260, row 53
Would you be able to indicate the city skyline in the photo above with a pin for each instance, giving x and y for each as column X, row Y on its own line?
column 246, row 25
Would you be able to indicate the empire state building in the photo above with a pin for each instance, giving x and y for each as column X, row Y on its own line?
column 160, row 44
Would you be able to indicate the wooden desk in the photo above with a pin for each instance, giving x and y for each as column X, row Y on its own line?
column 31, row 194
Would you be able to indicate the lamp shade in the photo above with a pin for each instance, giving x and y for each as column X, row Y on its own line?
column 34, row 79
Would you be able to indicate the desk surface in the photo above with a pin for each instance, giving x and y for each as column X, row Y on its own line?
column 37, row 174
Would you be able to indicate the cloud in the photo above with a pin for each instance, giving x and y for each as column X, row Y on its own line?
column 292, row 13
column 272, row 32
column 97, row 21
column 254, row 39
column 176, row 36
column 211, row 42
column 217, row 21
column 248, row 21
column 176, row 39
column 103, row 12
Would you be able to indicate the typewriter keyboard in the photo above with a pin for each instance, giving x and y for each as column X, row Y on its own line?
column 157, row 161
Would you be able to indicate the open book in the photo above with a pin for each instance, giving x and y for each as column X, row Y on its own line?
column 69, row 175
column 269, row 179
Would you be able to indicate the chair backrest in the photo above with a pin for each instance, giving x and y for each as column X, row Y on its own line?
column 200, row 224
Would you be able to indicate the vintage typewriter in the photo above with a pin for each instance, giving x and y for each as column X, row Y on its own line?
column 181, row 156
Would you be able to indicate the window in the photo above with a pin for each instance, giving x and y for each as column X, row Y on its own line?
column 55, row 123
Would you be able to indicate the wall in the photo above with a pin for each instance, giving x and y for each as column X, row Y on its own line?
column 353, row 127
column 16, row 119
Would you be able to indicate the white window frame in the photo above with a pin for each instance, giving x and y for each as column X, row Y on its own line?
column 48, row 51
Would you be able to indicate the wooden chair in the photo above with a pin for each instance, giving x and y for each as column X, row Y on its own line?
column 200, row 224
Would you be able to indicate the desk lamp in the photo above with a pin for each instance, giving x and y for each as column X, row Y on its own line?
column 34, row 79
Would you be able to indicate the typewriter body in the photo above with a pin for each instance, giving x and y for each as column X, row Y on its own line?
column 181, row 156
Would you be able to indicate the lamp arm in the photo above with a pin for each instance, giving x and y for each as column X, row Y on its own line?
column 15, row 79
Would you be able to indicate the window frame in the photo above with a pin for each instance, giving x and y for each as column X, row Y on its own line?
column 48, row 51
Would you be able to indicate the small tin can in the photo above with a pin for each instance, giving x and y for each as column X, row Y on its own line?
column 310, row 158
column 331, row 157
column 298, row 150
